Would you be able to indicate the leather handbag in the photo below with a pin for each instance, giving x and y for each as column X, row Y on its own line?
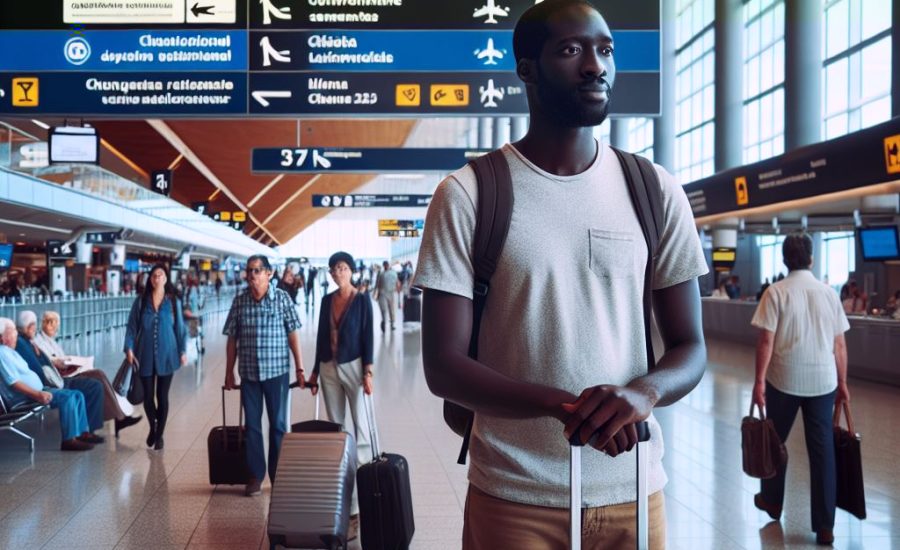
column 763, row 451
column 851, row 495
column 126, row 382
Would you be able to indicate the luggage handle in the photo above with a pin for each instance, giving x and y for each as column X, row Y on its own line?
column 837, row 417
column 240, row 419
column 369, row 402
column 310, row 388
column 761, row 408
column 643, row 526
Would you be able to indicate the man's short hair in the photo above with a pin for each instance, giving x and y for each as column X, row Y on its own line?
column 262, row 259
column 797, row 251
column 532, row 30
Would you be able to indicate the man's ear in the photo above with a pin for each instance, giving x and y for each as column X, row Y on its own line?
column 527, row 70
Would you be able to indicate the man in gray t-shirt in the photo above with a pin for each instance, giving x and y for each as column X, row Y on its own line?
column 561, row 346
column 386, row 288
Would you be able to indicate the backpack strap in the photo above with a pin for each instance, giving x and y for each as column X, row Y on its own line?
column 493, row 217
column 646, row 196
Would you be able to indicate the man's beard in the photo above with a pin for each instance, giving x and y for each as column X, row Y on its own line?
column 567, row 107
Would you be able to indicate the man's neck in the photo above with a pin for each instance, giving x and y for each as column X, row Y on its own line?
column 557, row 150
column 258, row 294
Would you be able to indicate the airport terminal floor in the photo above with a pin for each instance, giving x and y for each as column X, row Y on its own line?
column 122, row 495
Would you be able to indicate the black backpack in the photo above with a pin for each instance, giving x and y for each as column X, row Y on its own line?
column 495, row 206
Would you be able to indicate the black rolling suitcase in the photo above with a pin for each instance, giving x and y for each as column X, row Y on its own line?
column 412, row 306
column 643, row 498
column 385, row 497
column 226, row 447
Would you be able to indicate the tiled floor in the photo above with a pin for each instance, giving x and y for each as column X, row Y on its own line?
column 122, row 496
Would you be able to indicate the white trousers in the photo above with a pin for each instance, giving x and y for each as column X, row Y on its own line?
column 342, row 384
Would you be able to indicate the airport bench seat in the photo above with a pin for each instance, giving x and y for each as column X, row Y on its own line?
column 10, row 418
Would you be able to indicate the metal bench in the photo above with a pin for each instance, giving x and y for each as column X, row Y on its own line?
column 10, row 418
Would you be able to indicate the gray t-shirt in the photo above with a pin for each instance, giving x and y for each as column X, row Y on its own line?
column 387, row 282
column 565, row 310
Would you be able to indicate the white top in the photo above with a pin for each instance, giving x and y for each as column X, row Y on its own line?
column 805, row 315
column 564, row 310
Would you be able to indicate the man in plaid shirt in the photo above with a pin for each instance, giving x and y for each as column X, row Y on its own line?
column 262, row 328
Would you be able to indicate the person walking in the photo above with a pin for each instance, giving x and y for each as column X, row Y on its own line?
column 263, row 331
column 801, row 364
column 563, row 350
column 344, row 349
column 386, row 287
column 157, row 338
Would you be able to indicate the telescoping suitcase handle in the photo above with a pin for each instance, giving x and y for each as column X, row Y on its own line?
column 240, row 418
column 643, row 526
column 309, row 387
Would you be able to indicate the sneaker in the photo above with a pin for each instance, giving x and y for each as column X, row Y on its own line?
column 773, row 511
column 825, row 537
column 75, row 445
column 353, row 531
column 93, row 439
column 253, row 488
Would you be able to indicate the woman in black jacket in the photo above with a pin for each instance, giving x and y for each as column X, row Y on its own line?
column 344, row 347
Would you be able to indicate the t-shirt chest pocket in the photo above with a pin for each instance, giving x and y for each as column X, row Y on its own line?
column 612, row 253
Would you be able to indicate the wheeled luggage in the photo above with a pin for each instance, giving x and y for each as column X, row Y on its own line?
column 226, row 446
column 385, row 497
column 643, row 498
column 310, row 504
column 412, row 309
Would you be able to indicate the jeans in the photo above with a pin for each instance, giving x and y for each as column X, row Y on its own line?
column 817, row 424
column 72, row 416
column 93, row 399
column 275, row 392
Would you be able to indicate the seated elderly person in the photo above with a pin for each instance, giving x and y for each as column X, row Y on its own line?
column 48, row 349
column 91, row 389
column 19, row 384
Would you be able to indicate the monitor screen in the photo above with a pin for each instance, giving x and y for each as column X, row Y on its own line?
column 879, row 243
column 74, row 145
column 6, row 252
column 132, row 265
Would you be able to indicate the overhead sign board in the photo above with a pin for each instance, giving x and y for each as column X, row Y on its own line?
column 371, row 201
column 857, row 160
column 360, row 161
column 104, row 237
column 59, row 249
column 400, row 228
column 133, row 13
column 161, row 182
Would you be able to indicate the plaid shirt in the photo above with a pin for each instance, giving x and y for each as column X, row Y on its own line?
column 261, row 330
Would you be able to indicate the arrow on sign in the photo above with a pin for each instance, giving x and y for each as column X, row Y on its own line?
column 205, row 10
column 263, row 96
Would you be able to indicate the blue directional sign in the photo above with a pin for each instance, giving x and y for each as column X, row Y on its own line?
column 370, row 201
column 124, row 50
column 361, row 160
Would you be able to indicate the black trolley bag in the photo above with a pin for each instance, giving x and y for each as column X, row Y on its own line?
column 310, row 504
column 385, row 496
column 226, row 447
column 643, row 498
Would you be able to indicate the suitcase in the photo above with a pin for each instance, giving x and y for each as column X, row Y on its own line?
column 226, row 448
column 310, row 503
column 385, row 497
column 412, row 309
column 642, row 454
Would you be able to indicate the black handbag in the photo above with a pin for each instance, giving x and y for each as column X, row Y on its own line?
column 763, row 451
column 851, row 494
column 127, row 383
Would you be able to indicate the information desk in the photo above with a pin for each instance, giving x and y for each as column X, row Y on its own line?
column 873, row 343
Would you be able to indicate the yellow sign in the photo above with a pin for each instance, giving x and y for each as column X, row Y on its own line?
column 409, row 95
column 239, row 216
column 224, row 216
column 743, row 193
column 892, row 154
column 449, row 95
column 724, row 255
column 206, row 265
column 25, row 92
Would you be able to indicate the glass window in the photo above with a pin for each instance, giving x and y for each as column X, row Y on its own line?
column 640, row 136
column 839, row 259
column 695, row 100
column 770, row 262
column 763, row 79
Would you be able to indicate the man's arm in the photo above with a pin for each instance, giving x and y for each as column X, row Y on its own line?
column 451, row 374
column 294, row 343
column 42, row 397
column 612, row 411
column 840, row 358
column 765, row 344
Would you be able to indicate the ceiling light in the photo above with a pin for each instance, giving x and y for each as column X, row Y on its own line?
column 40, row 124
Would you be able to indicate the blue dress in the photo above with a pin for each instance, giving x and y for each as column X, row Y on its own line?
column 157, row 337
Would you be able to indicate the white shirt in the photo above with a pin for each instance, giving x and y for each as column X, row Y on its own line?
column 805, row 315
column 564, row 310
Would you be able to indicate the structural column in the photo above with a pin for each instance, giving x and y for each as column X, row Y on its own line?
column 501, row 131
column 618, row 133
column 729, row 112
column 802, row 73
column 485, row 137
column 664, row 125
column 519, row 126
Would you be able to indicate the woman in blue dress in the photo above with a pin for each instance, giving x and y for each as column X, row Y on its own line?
column 156, row 337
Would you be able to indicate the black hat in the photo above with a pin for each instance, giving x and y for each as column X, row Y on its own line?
column 341, row 257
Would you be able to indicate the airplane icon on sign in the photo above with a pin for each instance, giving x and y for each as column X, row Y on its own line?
column 489, row 94
column 492, row 10
column 270, row 53
column 270, row 11
column 490, row 53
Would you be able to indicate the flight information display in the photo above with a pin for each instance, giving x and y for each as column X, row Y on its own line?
column 222, row 58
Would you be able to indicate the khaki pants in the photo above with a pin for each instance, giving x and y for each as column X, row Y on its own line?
column 492, row 523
